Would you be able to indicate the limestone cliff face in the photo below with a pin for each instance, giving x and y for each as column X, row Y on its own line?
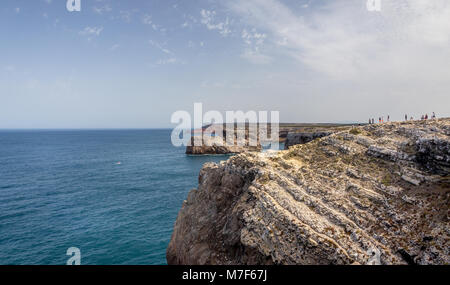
column 217, row 145
column 377, row 194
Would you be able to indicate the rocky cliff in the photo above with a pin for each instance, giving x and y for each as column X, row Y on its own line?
column 377, row 194
column 302, row 138
column 217, row 145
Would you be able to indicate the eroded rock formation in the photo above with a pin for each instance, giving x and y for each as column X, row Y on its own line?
column 217, row 145
column 377, row 194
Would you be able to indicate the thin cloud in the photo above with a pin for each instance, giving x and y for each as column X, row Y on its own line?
column 253, row 41
column 160, row 47
column 91, row 31
column 208, row 18
column 147, row 19
column 342, row 40
column 114, row 47
column 101, row 10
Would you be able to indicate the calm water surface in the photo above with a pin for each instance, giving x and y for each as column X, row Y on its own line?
column 114, row 194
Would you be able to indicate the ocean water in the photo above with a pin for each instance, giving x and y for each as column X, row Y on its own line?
column 61, row 189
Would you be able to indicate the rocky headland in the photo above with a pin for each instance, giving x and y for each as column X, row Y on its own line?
column 212, row 140
column 217, row 145
column 376, row 194
column 289, row 134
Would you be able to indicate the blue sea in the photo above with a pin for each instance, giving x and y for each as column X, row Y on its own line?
column 114, row 194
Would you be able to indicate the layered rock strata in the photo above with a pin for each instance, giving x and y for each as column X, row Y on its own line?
column 377, row 194
column 217, row 145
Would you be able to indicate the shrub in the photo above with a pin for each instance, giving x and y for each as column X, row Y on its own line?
column 387, row 180
column 355, row 131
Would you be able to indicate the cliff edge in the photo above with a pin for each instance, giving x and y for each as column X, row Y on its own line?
column 377, row 194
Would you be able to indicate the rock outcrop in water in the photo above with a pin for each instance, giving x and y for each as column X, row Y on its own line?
column 377, row 194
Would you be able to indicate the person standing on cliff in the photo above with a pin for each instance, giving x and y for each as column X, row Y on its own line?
column 388, row 118
column 406, row 117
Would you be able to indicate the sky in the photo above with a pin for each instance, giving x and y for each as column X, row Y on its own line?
column 132, row 64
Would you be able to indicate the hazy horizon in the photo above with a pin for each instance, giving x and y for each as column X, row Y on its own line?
column 131, row 64
column 154, row 128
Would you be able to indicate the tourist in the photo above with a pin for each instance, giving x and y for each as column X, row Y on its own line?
column 388, row 118
column 406, row 117
column 433, row 116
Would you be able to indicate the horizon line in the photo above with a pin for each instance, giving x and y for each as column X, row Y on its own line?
column 137, row 128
